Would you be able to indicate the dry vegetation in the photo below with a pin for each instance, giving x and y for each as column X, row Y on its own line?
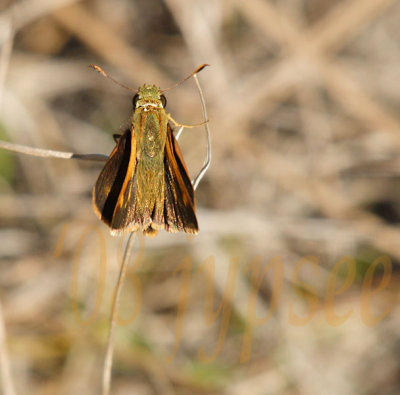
column 303, row 97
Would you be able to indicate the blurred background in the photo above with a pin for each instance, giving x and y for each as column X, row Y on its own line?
column 303, row 99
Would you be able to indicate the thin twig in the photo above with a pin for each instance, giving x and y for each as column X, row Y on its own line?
column 179, row 132
column 47, row 153
column 207, row 161
column 7, row 385
column 108, row 359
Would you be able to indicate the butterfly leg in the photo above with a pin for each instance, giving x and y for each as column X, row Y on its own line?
column 183, row 125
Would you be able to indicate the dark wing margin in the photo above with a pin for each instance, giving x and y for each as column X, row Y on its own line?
column 179, row 206
column 112, row 193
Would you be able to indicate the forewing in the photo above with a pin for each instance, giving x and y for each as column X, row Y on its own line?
column 179, row 210
column 113, row 193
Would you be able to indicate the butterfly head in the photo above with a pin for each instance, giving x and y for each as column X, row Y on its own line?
column 149, row 97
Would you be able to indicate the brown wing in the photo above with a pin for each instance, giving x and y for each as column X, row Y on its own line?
column 179, row 207
column 113, row 194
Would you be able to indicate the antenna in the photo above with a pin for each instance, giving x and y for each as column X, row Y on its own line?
column 189, row 76
column 104, row 74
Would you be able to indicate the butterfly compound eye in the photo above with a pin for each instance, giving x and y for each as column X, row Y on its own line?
column 134, row 100
column 163, row 100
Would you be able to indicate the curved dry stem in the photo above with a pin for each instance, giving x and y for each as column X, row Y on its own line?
column 178, row 133
column 207, row 160
column 47, row 153
column 108, row 359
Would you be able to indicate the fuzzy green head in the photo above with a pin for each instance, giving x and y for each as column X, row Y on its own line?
column 149, row 96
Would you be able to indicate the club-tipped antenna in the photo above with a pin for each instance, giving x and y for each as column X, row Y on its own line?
column 104, row 74
column 189, row 76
